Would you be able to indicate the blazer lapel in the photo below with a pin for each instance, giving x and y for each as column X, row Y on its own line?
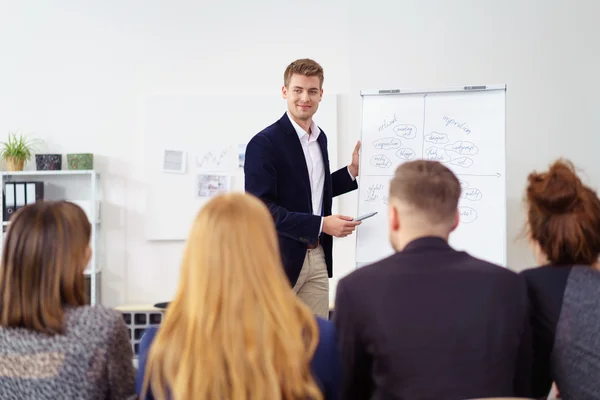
column 296, row 154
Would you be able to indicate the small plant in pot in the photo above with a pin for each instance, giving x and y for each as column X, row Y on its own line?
column 16, row 151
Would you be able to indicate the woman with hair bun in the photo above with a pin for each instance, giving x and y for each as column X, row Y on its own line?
column 563, row 228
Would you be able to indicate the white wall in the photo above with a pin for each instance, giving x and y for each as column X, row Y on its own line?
column 73, row 73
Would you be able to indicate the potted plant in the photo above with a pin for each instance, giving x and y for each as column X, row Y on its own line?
column 16, row 151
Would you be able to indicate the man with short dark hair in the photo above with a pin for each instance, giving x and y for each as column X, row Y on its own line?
column 287, row 166
column 430, row 322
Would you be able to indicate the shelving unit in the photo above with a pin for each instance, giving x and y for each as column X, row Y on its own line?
column 81, row 187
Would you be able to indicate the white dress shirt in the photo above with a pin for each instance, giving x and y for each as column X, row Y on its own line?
column 314, row 164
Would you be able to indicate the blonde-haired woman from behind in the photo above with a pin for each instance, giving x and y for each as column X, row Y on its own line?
column 235, row 329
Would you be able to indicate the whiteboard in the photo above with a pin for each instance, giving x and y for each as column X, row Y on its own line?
column 210, row 130
column 461, row 127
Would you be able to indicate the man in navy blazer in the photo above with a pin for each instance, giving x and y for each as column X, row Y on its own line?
column 429, row 321
column 287, row 166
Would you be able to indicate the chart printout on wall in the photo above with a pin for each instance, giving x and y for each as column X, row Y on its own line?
column 464, row 128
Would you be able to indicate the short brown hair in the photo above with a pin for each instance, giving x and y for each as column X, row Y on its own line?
column 428, row 186
column 304, row 66
column 43, row 266
column 563, row 215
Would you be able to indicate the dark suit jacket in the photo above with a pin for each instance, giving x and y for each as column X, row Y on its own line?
column 325, row 364
column 275, row 171
column 433, row 323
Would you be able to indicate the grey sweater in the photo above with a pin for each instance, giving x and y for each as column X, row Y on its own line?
column 565, row 317
column 92, row 360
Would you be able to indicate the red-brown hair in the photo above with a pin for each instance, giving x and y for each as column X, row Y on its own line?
column 43, row 261
column 563, row 215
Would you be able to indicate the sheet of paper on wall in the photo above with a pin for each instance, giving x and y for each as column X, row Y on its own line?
column 215, row 159
column 241, row 155
column 174, row 161
column 209, row 185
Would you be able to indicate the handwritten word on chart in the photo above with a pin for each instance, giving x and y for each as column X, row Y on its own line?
column 461, row 125
column 374, row 192
column 467, row 214
column 406, row 154
column 472, row 194
column 437, row 138
column 465, row 162
column 387, row 123
column 406, row 131
column 437, row 154
column 388, row 143
column 461, row 147
column 380, row 161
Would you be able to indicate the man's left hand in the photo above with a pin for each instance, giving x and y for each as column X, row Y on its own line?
column 353, row 168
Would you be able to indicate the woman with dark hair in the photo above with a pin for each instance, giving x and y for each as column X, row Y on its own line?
column 53, row 346
column 563, row 226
